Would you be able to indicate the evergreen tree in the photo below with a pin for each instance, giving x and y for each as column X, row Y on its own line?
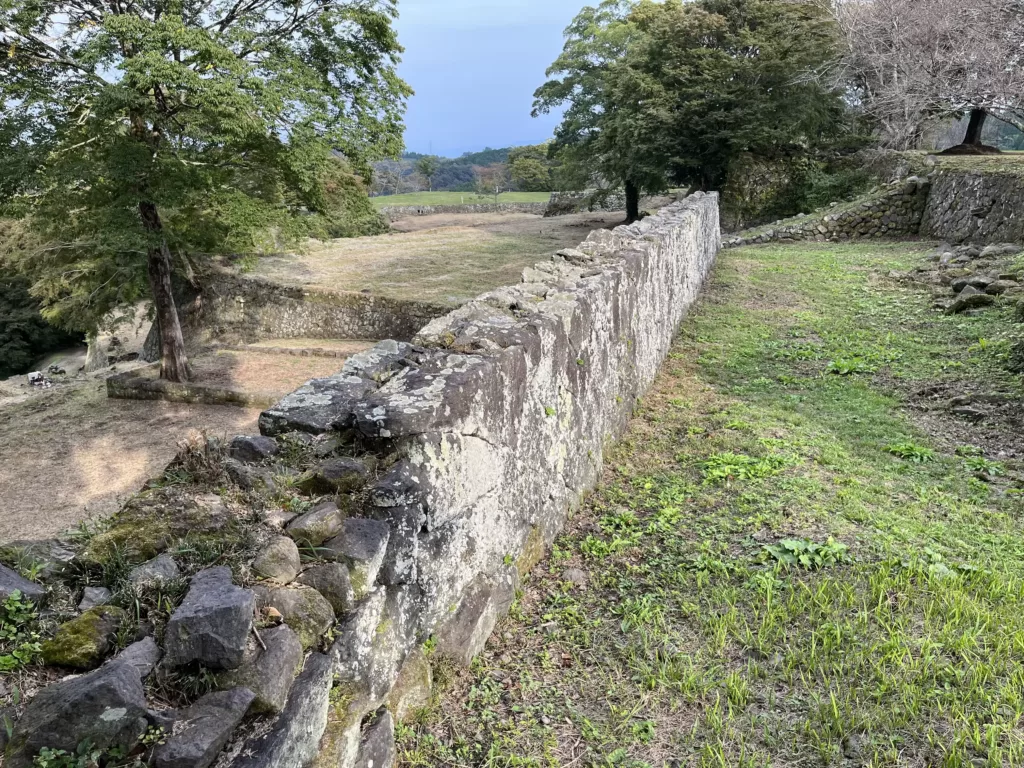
column 146, row 134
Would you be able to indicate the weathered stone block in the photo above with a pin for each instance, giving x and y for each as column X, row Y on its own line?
column 252, row 449
column 278, row 560
column 317, row 526
column 212, row 624
column 361, row 546
column 303, row 609
column 332, row 581
column 201, row 732
column 84, row 642
column 268, row 669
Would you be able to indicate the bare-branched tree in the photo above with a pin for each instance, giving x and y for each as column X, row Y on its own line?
column 912, row 62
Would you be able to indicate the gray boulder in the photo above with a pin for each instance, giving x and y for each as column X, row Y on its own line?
column 11, row 582
column 107, row 708
column 361, row 546
column 48, row 557
column 159, row 570
column 94, row 597
column 999, row 287
column 969, row 298
column 377, row 748
column 332, row 581
column 981, row 282
column 142, row 656
column 268, row 673
column 485, row 601
column 201, row 732
column 86, row 640
column 316, row 405
column 317, row 526
column 252, row 449
column 340, row 475
column 212, row 624
column 303, row 609
column 294, row 738
column 278, row 561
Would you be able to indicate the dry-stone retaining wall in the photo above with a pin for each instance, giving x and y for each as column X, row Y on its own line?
column 975, row 208
column 246, row 310
column 893, row 211
column 952, row 205
column 285, row 591
column 396, row 212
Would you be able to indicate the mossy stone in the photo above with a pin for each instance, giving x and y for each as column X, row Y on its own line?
column 84, row 642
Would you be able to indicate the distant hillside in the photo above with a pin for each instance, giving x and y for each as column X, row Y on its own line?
column 457, row 174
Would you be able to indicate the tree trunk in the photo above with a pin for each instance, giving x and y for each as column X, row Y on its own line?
column 173, row 361
column 975, row 126
column 632, row 202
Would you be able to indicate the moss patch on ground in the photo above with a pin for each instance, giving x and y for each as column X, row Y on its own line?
column 786, row 564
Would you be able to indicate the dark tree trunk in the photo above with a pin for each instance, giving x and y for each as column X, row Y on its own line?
column 975, row 126
column 632, row 202
column 173, row 361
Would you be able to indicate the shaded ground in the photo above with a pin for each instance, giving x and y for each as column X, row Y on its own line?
column 70, row 454
column 458, row 198
column 786, row 565
column 444, row 259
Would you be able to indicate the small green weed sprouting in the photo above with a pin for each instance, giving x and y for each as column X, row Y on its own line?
column 981, row 464
column 549, row 411
column 848, row 366
column 84, row 757
column 724, row 467
column 912, row 452
column 808, row 554
column 18, row 640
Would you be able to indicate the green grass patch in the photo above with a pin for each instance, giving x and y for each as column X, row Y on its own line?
column 784, row 567
column 458, row 198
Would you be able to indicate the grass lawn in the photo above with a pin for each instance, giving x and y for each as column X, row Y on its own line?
column 459, row 198
column 783, row 565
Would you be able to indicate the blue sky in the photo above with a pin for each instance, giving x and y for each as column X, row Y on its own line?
column 474, row 65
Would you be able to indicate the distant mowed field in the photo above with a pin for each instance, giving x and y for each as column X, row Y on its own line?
column 459, row 198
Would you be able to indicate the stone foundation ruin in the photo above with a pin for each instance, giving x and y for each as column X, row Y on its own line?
column 290, row 591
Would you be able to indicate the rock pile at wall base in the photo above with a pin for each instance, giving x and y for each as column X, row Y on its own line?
column 418, row 486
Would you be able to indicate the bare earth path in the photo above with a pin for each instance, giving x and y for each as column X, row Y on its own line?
column 792, row 561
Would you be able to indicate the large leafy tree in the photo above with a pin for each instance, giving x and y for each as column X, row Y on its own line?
column 663, row 92
column 140, row 135
column 705, row 82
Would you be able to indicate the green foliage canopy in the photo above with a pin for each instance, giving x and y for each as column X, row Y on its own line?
column 217, row 117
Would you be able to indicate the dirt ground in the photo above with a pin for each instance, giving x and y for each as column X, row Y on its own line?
column 446, row 259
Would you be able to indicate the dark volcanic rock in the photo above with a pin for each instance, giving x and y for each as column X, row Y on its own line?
column 294, row 739
column 253, row 449
column 377, row 749
column 340, row 475
column 107, row 708
column 142, row 656
column 93, row 597
column 212, row 624
column 361, row 546
column 201, row 732
column 969, row 298
column 268, row 673
column 49, row 557
column 314, row 407
column 332, row 581
column 13, row 582
column 159, row 570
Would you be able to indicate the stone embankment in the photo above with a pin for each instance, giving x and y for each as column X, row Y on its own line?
column 955, row 206
column 394, row 213
column 277, row 601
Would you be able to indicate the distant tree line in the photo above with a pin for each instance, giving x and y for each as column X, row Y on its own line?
column 512, row 169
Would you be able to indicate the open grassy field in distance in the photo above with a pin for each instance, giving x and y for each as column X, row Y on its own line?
column 795, row 559
column 458, row 198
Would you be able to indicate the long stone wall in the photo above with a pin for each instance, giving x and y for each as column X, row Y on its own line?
column 393, row 213
column 386, row 514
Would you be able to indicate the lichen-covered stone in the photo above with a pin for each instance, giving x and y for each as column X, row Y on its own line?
column 294, row 738
column 361, row 546
column 268, row 671
column 201, row 732
column 84, row 642
column 315, row 406
column 317, row 526
column 486, row 601
column 339, row 475
column 412, row 690
column 106, row 708
column 303, row 609
column 278, row 560
column 156, row 572
column 377, row 748
column 212, row 624
column 332, row 581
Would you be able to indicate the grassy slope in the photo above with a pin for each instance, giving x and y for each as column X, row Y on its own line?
column 459, row 198
column 689, row 644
